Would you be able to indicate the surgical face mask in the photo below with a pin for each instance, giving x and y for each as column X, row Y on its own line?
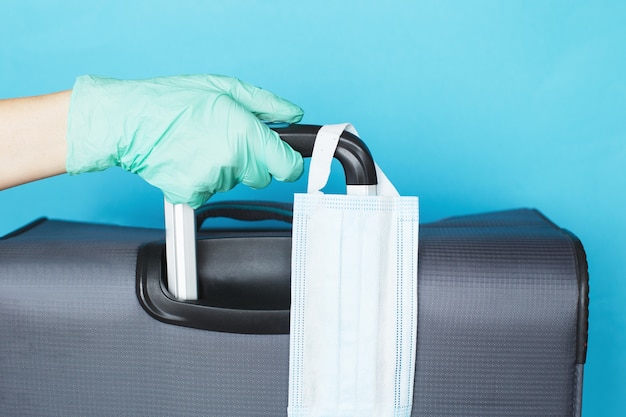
column 354, row 299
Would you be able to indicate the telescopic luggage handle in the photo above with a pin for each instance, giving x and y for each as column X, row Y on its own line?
column 351, row 152
column 180, row 227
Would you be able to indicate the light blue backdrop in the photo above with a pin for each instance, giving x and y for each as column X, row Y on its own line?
column 472, row 105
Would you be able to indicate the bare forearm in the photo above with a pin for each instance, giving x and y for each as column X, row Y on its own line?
column 32, row 138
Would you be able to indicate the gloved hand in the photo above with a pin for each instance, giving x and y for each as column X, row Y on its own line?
column 191, row 136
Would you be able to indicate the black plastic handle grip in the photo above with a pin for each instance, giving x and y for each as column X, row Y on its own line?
column 245, row 210
column 352, row 153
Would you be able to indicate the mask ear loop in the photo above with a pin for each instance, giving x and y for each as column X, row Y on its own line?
column 324, row 148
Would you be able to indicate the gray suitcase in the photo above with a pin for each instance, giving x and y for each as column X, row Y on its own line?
column 89, row 328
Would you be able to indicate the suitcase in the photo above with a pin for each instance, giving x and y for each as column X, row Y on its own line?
column 89, row 327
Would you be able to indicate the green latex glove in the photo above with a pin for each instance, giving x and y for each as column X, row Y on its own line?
column 191, row 136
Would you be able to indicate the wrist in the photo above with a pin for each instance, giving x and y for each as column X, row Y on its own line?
column 92, row 128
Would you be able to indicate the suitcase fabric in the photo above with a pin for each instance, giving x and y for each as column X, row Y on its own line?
column 501, row 332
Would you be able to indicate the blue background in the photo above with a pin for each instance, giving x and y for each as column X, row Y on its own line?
column 472, row 105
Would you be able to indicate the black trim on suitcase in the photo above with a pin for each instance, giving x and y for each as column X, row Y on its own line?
column 583, row 297
column 156, row 300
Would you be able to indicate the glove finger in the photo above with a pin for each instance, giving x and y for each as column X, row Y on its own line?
column 283, row 163
column 193, row 198
column 198, row 199
column 270, row 157
column 264, row 104
column 257, row 178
